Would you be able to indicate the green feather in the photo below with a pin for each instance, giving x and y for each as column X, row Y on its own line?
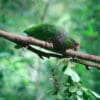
column 43, row 31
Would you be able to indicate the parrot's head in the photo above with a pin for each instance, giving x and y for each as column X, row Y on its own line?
column 76, row 46
column 70, row 43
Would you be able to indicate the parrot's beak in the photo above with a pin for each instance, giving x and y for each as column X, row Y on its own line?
column 77, row 46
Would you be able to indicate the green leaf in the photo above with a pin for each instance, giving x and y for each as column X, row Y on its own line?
column 64, row 68
column 73, row 88
column 79, row 98
column 73, row 74
column 80, row 93
column 95, row 94
column 87, row 93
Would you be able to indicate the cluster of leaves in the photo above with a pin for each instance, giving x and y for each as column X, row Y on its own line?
column 67, row 84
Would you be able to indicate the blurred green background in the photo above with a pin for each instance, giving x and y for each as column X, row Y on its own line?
column 23, row 75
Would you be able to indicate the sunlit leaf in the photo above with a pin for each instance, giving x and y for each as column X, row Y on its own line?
column 79, row 98
column 95, row 94
column 73, row 88
column 73, row 74
column 80, row 93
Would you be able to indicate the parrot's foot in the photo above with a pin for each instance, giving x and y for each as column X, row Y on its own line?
column 48, row 44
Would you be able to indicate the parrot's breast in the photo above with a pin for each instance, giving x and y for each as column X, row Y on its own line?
column 58, row 42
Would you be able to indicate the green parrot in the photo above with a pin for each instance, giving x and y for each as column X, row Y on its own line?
column 54, row 34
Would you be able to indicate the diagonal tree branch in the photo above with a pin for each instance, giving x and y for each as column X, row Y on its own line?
column 24, row 41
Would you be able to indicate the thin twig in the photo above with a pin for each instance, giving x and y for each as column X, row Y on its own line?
column 43, row 17
column 86, row 63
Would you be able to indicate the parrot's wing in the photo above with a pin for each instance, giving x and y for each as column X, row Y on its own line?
column 45, row 31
